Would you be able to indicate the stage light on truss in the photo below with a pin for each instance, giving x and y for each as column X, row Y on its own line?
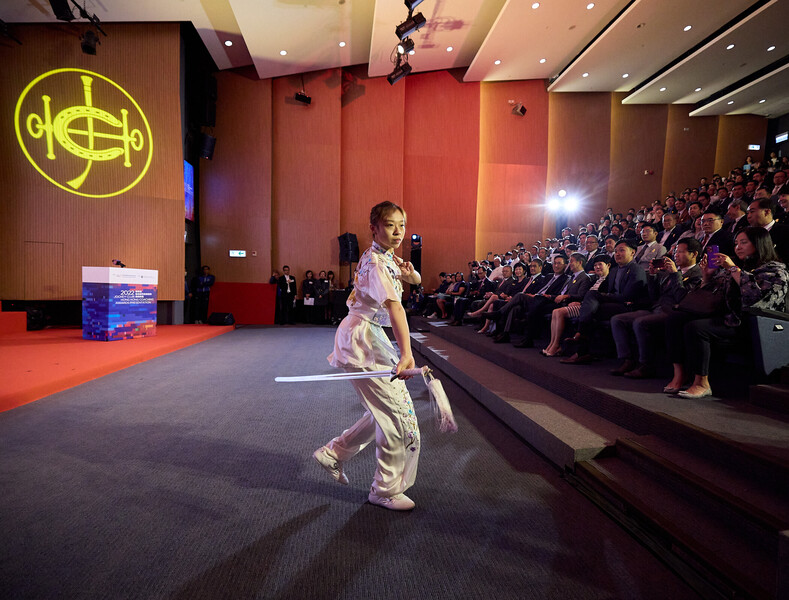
column 410, row 25
column 406, row 46
column 88, row 41
column 412, row 4
column 401, row 70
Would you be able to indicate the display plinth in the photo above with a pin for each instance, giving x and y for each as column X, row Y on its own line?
column 118, row 304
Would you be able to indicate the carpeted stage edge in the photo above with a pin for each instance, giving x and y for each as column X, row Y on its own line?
column 36, row 364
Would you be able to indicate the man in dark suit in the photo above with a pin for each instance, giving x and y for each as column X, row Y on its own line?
column 760, row 215
column 287, row 293
column 667, row 285
column 526, row 299
column 671, row 231
column 628, row 291
column 593, row 250
column 736, row 217
column 715, row 235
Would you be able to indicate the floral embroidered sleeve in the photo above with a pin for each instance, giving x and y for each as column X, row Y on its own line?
column 766, row 287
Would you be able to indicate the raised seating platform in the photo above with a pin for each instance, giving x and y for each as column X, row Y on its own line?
column 703, row 483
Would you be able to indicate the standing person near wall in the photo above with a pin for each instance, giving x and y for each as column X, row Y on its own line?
column 202, row 293
column 362, row 345
column 286, row 294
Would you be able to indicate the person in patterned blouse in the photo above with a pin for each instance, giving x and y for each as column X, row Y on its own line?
column 362, row 345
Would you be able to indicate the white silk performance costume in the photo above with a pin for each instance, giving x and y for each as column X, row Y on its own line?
column 362, row 345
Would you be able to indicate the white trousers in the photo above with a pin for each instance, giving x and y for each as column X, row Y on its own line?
column 389, row 419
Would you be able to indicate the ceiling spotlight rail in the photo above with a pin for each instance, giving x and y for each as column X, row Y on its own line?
column 405, row 48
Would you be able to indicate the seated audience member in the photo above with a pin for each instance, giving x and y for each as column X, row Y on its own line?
column 431, row 308
column 477, row 291
column 502, row 292
column 667, row 285
column 671, row 231
column 456, row 290
column 714, row 234
column 610, row 246
column 736, row 217
column 627, row 290
column 574, row 289
column 523, row 302
column 593, row 250
column 650, row 249
column 783, row 202
column 562, row 314
column 760, row 282
column 497, row 274
column 760, row 214
column 415, row 300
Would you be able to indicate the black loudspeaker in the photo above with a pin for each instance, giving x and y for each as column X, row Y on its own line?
column 207, row 143
column 221, row 319
column 416, row 259
column 349, row 248
column 62, row 10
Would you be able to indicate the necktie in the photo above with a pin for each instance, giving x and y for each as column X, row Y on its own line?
column 547, row 285
column 706, row 241
column 640, row 252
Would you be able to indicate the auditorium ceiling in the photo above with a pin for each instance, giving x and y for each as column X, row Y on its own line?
column 722, row 57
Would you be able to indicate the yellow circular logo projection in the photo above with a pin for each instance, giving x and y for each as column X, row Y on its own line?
column 83, row 132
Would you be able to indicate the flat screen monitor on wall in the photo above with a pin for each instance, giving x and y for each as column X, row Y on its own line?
column 189, row 191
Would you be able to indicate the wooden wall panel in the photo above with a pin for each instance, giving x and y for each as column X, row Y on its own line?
column 372, row 153
column 142, row 226
column 735, row 134
column 305, row 211
column 690, row 149
column 235, row 193
column 638, row 144
column 579, row 138
column 513, row 165
column 440, row 168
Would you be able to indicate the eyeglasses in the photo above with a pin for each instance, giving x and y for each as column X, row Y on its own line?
column 710, row 220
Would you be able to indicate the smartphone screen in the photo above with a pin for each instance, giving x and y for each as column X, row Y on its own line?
column 712, row 250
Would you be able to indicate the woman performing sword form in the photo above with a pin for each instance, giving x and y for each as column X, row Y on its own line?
column 361, row 345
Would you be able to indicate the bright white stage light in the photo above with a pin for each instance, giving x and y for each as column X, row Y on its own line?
column 571, row 204
column 553, row 204
column 562, row 193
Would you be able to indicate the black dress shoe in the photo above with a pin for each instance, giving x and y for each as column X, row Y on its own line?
column 577, row 359
column 526, row 342
column 643, row 371
column 626, row 366
column 503, row 338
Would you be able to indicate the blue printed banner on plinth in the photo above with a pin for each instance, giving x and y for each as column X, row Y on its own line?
column 118, row 304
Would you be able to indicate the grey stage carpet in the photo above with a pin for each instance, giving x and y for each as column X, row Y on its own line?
column 190, row 476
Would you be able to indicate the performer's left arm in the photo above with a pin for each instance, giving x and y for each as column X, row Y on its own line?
column 401, row 333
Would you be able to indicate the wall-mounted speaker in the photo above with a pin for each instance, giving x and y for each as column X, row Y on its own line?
column 349, row 247
column 207, row 143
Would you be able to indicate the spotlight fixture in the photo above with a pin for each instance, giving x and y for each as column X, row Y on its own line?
column 88, row 41
column 302, row 95
column 410, row 25
column 412, row 4
column 519, row 109
column 405, row 46
column 61, row 10
column 402, row 69
column 416, row 241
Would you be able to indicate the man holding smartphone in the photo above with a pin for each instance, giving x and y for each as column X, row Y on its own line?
column 650, row 250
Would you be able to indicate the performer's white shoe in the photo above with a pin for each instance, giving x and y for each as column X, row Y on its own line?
column 332, row 465
column 398, row 502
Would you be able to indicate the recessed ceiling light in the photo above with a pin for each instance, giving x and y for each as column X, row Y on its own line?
column 497, row 62
column 283, row 52
column 697, row 90
column 342, row 44
column 625, row 76
column 585, row 75
column 730, row 102
column 536, row 5
column 542, row 61
column 590, row 6
column 771, row 48
column 688, row 27
column 662, row 89
column 450, row 48
column 763, row 100
column 730, row 46
column 228, row 43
